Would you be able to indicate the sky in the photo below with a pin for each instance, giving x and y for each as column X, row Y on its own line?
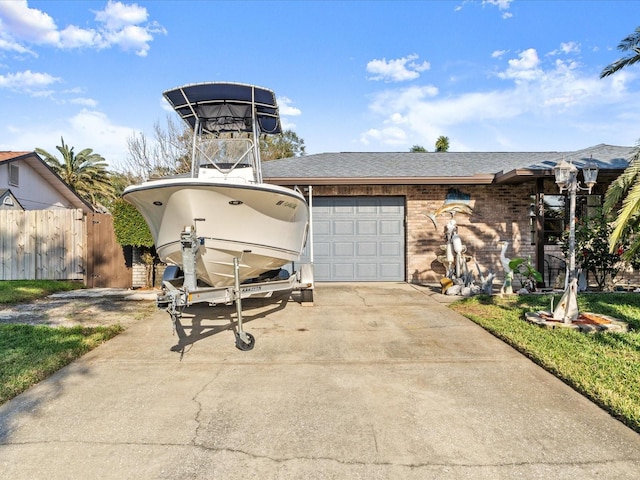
column 349, row 76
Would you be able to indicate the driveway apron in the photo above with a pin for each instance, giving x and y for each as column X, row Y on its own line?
column 374, row 381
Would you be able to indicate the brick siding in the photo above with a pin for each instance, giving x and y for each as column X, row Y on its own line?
column 499, row 213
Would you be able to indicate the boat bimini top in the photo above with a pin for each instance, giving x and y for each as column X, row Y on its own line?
column 218, row 107
column 227, row 120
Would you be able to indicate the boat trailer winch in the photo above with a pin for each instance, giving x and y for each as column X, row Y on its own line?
column 175, row 299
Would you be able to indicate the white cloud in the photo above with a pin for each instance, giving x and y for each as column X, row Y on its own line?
column 285, row 108
column 117, row 15
column 87, row 102
column 74, row 37
column 570, row 47
column 85, row 129
column 566, row 48
column 556, row 96
column 397, row 70
column 501, row 4
column 498, row 53
column 393, row 136
column 27, row 80
column 525, row 67
column 22, row 23
column 118, row 24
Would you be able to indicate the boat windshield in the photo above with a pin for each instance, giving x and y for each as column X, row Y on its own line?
column 224, row 154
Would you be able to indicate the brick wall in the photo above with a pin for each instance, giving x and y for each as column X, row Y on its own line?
column 499, row 213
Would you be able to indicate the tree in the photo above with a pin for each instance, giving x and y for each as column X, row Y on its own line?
column 285, row 145
column 626, row 189
column 417, row 149
column 168, row 154
column 631, row 43
column 442, row 144
column 85, row 172
column 592, row 248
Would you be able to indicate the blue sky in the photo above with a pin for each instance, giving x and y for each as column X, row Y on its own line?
column 492, row 75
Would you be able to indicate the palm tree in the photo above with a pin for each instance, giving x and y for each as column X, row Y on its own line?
column 629, row 43
column 86, row 172
column 442, row 144
column 417, row 149
column 626, row 187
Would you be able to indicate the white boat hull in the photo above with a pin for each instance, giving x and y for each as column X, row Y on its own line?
column 264, row 226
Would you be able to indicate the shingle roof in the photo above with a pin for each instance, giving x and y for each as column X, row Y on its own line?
column 477, row 167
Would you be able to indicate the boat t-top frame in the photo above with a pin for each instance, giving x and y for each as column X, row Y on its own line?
column 226, row 110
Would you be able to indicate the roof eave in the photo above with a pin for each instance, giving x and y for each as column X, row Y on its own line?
column 485, row 179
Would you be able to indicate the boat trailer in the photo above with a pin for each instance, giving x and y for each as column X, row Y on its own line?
column 175, row 299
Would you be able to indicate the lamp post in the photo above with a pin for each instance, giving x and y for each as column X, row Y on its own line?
column 566, row 175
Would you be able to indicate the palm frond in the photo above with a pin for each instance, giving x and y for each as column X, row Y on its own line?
column 629, row 43
column 621, row 185
column 629, row 212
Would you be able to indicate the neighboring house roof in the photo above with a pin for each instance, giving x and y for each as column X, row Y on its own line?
column 34, row 161
column 8, row 200
column 435, row 167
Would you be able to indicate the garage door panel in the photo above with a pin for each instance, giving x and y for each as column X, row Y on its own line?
column 322, row 249
column 343, row 249
column 343, row 227
column 366, row 249
column 390, row 227
column 366, row 227
column 343, row 271
column 321, row 270
column 367, row 271
column 321, row 227
column 389, row 249
column 392, row 209
column 390, row 271
column 359, row 238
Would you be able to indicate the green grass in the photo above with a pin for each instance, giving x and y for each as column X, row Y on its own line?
column 20, row 291
column 29, row 354
column 604, row 367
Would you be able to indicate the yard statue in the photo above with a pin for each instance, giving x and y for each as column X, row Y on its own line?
column 507, row 286
column 454, row 258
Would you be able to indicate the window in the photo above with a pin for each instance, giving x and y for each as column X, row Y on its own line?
column 554, row 218
column 14, row 175
column 556, row 214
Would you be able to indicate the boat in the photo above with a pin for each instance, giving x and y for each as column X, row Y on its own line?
column 245, row 229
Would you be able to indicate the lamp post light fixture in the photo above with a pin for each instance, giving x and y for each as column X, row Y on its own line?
column 566, row 175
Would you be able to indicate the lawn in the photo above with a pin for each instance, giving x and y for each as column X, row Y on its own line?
column 605, row 367
column 20, row 291
column 30, row 353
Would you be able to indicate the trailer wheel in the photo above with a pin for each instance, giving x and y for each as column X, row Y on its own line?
column 240, row 345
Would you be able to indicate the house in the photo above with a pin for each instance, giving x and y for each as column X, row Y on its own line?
column 47, row 231
column 372, row 211
column 27, row 181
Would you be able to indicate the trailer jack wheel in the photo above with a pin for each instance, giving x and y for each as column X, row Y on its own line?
column 245, row 345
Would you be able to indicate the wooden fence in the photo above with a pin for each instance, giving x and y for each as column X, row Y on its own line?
column 42, row 245
column 62, row 244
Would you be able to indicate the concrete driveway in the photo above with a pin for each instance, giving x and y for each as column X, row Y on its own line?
column 376, row 381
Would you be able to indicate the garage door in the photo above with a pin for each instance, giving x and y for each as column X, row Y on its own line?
column 358, row 239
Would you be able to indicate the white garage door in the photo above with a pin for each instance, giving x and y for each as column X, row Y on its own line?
column 358, row 239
